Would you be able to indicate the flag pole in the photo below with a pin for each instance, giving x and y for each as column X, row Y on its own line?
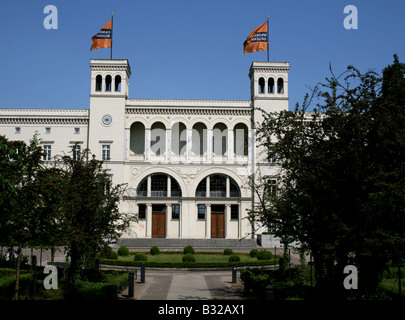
column 112, row 17
column 267, row 39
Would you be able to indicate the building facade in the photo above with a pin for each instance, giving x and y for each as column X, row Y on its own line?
column 186, row 163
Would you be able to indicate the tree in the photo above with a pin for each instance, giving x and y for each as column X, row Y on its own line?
column 341, row 191
column 89, row 209
column 19, row 194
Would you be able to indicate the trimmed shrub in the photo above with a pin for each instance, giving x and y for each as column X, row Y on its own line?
column 123, row 251
column 188, row 257
column 154, row 251
column 140, row 257
column 188, row 249
column 253, row 253
column 109, row 253
column 264, row 255
column 228, row 252
column 234, row 258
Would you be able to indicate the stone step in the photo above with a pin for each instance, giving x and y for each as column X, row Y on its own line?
column 181, row 243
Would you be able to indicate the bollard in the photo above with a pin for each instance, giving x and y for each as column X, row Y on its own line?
column 131, row 284
column 234, row 273
column 269, row 293
column 143, row 272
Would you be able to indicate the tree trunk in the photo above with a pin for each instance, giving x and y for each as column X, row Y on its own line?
column 17, row 277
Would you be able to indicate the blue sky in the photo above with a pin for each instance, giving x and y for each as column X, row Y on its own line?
column 187, row 49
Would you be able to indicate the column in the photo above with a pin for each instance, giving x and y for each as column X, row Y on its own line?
column 189, row 144
column 168, row 217
column 180, row 221
column 149, row 220
column 127, row 134
column 227, row 218
column 207, row 184
column 149, row 186
column 147, row 144
column 230, row 150
column 208, row 221
column 228, row 188
column 169, row 186
column 209, row 145
column 168, row 144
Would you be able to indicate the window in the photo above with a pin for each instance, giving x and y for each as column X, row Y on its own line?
column 141, row 211
column 17, row 130
column 117, row 83
column 175, row 211
column 175, row 190
column 142, row 190
column 201, row 211
column 105, row 154
column 261, row 85
column 271, row 85
column 47, row 130
column 108, row 81
column 47, row 152
column 271, row 157
column 77, row 130
column 159, row 185
column 202, row 188
column 218, row 186
column 76, row 152
column 271, row 187
column 98, row 82
column 234, row 212
column 280, row 85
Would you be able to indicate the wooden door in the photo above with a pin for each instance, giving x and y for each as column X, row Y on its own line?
column 217, row 221
column 158, row 225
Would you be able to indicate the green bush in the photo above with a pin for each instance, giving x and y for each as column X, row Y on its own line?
column 109, row 253
column 154, row 251
column 188, row 257
column 234, row 258
column 188, row 249
column 264, row 255
column 123, row 251
column 228, row 252
column 140, row 257
column 254, row 252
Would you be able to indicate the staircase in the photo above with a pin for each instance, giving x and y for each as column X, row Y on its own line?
column 181, row 243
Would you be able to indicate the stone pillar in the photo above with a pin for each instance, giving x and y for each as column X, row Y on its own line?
column 149, row 220
column 227, row 219
column 169, row 187
column 189, row 144
column 147, row 143
column 230, row 150
column 168, row 218
column 228, row 187
column 209, row 145
column 149, row 186
column 168, row 144
column 208, row 221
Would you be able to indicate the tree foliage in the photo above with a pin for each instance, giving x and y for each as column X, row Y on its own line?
column 341, row 189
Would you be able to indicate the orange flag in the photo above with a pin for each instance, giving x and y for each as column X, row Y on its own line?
column 103, row 39
column 257, row 40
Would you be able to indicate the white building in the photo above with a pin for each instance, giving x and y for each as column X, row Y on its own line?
column 186, row 162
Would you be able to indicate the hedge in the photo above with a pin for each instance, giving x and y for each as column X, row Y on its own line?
column 154, row 264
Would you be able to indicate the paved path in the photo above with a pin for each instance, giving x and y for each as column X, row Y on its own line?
column 187, row 285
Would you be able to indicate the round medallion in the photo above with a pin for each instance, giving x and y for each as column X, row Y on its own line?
column 107, row 120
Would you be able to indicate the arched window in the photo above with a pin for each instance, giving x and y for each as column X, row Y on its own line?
column 158, row 139
column 179, row 139
column 241, row 140
column 271, row 85
column 280, row 85
column 160, row 184
column 218, row 187
column 117, row 82
column 137, row 138
column 108, row 81
column 261, row 85
column 199, row 139
column 99, row 79
column 220, row 137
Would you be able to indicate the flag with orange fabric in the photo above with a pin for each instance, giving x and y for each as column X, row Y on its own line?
column 103, row 39
column 257, row 40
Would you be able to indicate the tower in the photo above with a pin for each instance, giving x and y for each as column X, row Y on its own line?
column 269, row 85
column 108, row 94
